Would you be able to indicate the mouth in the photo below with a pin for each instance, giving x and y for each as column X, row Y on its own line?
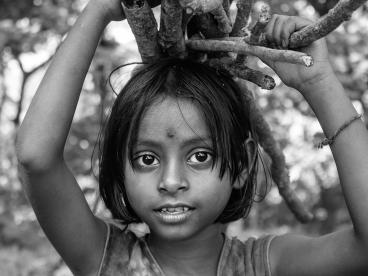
column 173, row 210
column 174, row 214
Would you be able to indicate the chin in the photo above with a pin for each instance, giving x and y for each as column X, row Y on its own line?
column 181, row 233
column 173, row 234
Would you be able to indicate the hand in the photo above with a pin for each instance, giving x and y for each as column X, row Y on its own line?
column 278, row 32
column 111, row 9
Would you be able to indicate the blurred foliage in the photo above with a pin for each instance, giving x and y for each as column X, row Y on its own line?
column 30, row 32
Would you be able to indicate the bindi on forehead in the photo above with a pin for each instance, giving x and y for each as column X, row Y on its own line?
column 170, row 133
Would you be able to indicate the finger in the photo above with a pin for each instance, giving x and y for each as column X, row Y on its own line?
column 277, row 29
column 300, row 22
column 291, row 25
column 269, row 29
column 288, row 28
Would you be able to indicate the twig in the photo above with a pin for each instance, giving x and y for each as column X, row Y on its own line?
column 244, row 48
column 335, row 17
column 241, row 21
column 223, row 21
column 133, row 4
column 340, row 13
column 263, row 19
column 243, row 72
column 226, row 4
column 200, row 6
column 206, row 25
column 197, row 55
column 242, row 16
column 170, row 37
column 279, row 170
column 144, row 27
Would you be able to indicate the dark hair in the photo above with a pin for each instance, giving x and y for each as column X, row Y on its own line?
column 225, row 111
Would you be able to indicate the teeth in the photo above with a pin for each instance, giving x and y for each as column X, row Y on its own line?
column 175, row 209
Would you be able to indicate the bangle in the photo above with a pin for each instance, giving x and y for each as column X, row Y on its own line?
column 329, row 141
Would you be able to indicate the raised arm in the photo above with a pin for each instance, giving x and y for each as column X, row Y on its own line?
column 344, row 252
column 55, row 196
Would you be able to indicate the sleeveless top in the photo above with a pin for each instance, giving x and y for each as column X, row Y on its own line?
column 127, row 254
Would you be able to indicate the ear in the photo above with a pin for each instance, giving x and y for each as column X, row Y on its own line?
column 240, row 181
column 251, row 150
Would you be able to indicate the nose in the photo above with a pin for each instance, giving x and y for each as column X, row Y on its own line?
column 173, row 178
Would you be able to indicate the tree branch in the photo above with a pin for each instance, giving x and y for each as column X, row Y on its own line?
column 206, row 25
column 279, row 171
column 170, row 37
column 243, row 72
column 241, row 21
column 242, row 17
column 144, row 27
column 244, row 48
column 335, row 17
column 257, row 30
column 223, row 21
column 200, row 6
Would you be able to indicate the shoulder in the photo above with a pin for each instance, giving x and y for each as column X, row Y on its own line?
column 125, row 251
column 117, row 244
column 252, row 254
column 254, row 246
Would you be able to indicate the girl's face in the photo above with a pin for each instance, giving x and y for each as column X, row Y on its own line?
column 172, row 185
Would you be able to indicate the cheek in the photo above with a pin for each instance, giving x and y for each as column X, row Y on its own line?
column 132, row 185
column 222, row 195
column 218, row 190
column 138, row 187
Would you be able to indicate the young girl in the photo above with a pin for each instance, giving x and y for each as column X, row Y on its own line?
column 179, row 154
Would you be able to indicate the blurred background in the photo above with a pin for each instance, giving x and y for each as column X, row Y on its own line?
column 30, row 32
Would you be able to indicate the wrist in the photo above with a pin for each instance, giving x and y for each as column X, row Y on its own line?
column 99, row 11
column 109, row 10
column 322, row 81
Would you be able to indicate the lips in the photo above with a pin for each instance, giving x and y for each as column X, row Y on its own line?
column 174, row 214
column 174, row 208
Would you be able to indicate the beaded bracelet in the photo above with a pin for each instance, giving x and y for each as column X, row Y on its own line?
column 329, row 141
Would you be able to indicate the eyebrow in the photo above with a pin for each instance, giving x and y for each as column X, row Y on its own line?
column 191, row 141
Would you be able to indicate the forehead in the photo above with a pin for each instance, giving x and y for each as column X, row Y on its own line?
column 172, row 118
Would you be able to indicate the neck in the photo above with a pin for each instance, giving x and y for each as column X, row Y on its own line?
column 197, row 254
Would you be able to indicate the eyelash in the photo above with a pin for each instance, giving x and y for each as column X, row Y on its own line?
column 208, row 157
column 139, row 159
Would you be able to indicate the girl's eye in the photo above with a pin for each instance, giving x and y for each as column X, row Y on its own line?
column 146, row 160
column 200, row 157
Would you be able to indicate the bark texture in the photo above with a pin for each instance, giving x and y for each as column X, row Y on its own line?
column 242, row 17
column 223, row 21
column 200, row 6
column 245, row 48
column 257, row 30
column 144, row 27
column 171, row 38
column 243, row 72
column 337, row 15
